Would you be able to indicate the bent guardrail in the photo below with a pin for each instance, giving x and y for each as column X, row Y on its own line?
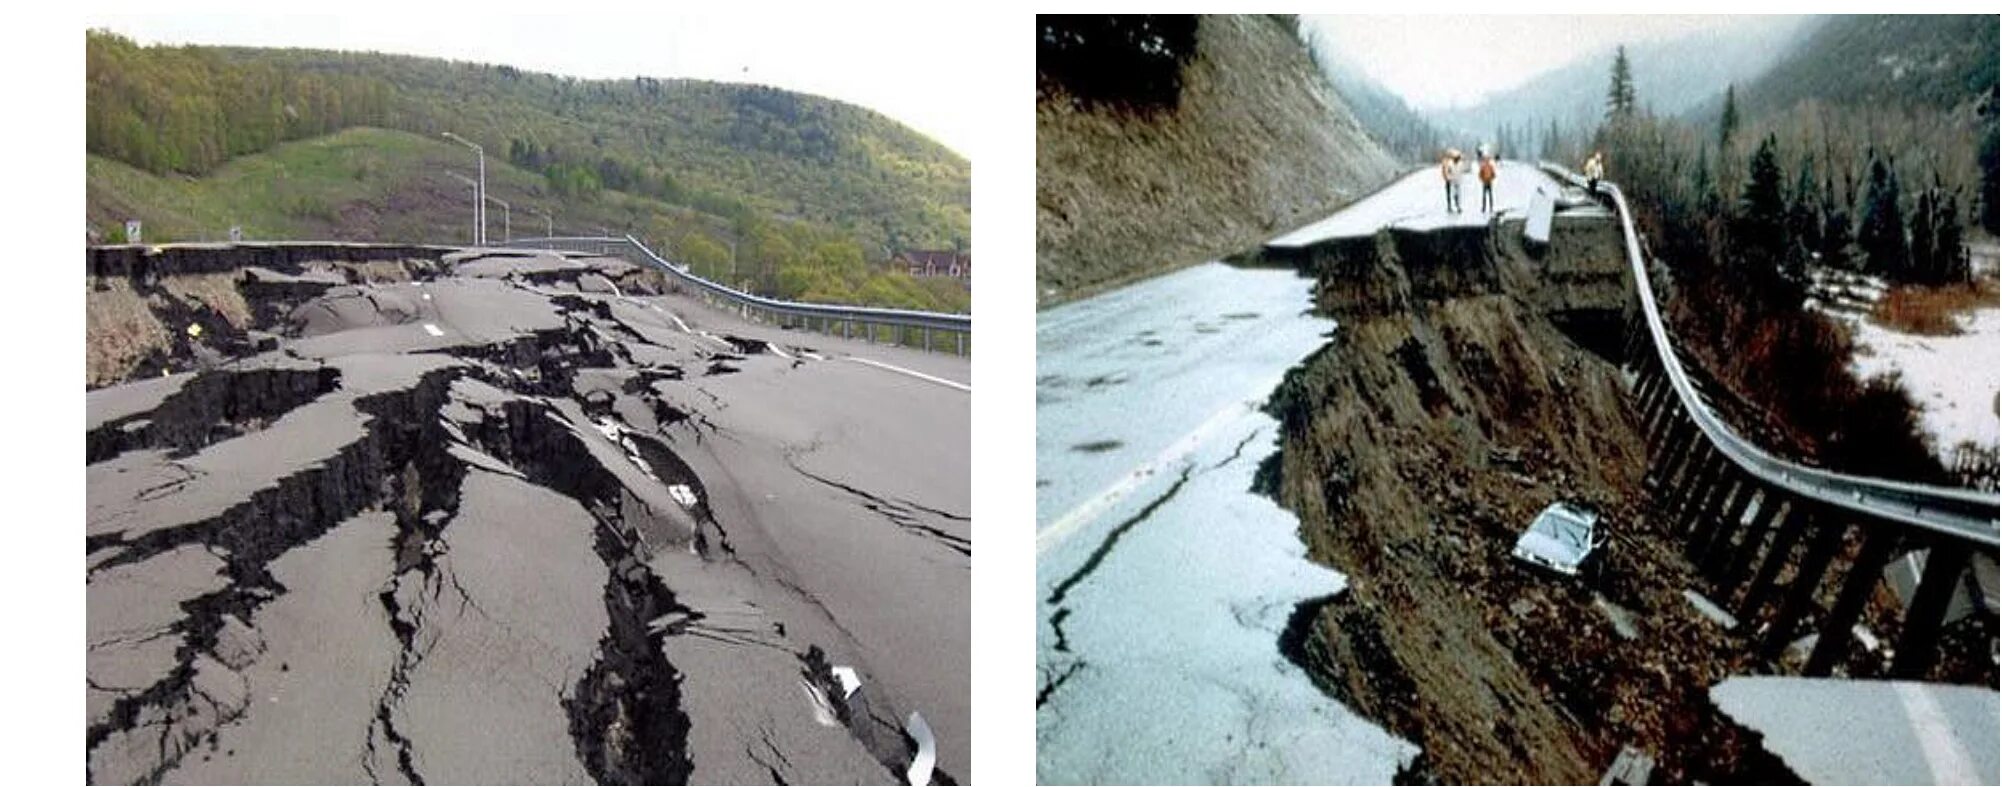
column 959, row 326
column 1732, row 502
column 1964, row 513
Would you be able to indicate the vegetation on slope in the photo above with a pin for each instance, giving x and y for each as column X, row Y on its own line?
column 787, row 194
column 371, row 184
column 1741, row 211
column 1131, row 183
column 188, row 109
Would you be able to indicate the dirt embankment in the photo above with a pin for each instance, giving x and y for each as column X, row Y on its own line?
column 1259, row 142
column 1467, row 387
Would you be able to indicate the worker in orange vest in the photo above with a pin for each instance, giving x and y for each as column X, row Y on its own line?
column 1487, row 183
column 1449, row 169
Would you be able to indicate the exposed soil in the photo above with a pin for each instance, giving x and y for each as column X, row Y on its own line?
column 1259, row 142
column 1468, row 387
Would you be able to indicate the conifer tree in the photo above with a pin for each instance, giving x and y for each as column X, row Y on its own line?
column 1881, row 232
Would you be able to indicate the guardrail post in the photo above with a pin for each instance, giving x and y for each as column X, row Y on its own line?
column 1710, row 557
column 1918, row 643
column 1659, row 417
column 1806, row 581
column 846, row 327
column 1708, row 517
column 960, row 338
column 1777, row 556
column 1771, row 508
column 1700, row 488
column 1698, row 476
column 1673, row 450
column 1865, row 572
column 927, row 338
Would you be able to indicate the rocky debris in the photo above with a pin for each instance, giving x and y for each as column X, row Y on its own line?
column 323, row 561
column 1447, row 410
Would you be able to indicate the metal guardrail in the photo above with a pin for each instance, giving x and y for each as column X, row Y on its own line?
column 1971, row 515
column 959, row 323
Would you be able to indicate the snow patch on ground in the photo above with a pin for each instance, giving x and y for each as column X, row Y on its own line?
column 1953, row 379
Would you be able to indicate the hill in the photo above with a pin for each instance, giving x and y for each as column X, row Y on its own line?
column 1226, row 133
column 376, row 184
column 1673, row 76
column 1937, row 61
column 722, row 148
column 1405, row 132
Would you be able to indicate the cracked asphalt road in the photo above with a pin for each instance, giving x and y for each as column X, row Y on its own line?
column 521, row 518
column 1164, row 582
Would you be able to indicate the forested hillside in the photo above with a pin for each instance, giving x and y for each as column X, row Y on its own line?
column 724, row 149
column 1918, row 92
column 1673, row 77
column 1848, row 154
column 1401, row 130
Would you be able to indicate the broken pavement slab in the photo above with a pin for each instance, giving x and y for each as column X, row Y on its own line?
column 1836, row 731
column 514, row 498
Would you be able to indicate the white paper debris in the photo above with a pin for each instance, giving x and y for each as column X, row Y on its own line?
column 921, row 765
column 849, row 681
column 433, row 330
column 682, row 494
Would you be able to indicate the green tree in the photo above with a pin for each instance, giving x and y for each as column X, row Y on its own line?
column 1881, row 235
column 1760, row 234
column 1727, row 125
column 1620, row 96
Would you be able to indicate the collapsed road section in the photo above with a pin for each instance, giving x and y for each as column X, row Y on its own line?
column 510, row 516
column 1475, row 381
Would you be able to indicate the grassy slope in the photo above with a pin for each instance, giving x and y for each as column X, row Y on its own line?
column 358, row 184
column 378, row 184
column 867, row 174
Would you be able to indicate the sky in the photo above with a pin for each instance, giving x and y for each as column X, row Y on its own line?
column 873, row 60
column 1488, row 54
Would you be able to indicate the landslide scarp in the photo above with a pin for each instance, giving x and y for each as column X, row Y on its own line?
column 1466, row 388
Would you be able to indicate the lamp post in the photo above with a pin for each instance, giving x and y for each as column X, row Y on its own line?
column 479, row 205
column 476, row 203
column 549, row 223
column 507, row 220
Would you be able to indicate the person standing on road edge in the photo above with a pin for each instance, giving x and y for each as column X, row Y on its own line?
column 1595, row 168
column 1487, row 183
column 1449, row 171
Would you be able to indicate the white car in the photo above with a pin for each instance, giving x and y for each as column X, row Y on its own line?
column 1561, row 538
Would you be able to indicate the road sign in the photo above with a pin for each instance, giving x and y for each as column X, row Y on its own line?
column 132, row 231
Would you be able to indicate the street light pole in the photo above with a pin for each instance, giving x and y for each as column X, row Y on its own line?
column 476, row 203
column 479, row 205
column 507, row 220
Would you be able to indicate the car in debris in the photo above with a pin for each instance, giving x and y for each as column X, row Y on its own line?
column 1561, row 539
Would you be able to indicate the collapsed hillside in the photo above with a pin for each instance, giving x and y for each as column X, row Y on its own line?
column 499, row 516
column 1470, row 384
column 1256, row 142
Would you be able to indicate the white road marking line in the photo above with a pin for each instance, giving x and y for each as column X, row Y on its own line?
column 684, row 326
column 1177, row 452
column 919, row 375
column 1946, row 756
